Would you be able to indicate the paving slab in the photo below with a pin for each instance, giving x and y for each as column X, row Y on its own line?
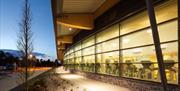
column 91, row 85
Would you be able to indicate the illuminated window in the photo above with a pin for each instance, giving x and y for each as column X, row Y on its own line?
column 134, row 47
column 137, row 39
column 108, row 33
column 170, row 56
column 89, row 50
column 77, row 47
column 168, row 31
column 89, row 63
column 107, row 63
column 108, row 46
column 134, row 23
column 77, row 53
column 140, row 63
column 88, row 42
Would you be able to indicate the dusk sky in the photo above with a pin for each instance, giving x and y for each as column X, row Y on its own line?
column 42, row 25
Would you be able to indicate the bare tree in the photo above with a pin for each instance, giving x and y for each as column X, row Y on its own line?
column 24, row 42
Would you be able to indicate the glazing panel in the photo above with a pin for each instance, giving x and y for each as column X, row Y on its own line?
column 88, row 42
column 164, row 12
column 168, row 31
column 77, row 47
column 108, row 46
column 170, row 56
column 89, row 63
column 78, row 62
column 137, row 39
column 140, row 63
column 108, row 33
column 136, row 22
column 89, row 50
column 78, row 53
column 110, row 63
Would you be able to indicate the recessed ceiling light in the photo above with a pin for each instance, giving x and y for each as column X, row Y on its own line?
column 149, row 31
column 70, row 29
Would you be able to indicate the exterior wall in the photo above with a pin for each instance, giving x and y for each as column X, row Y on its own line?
column 134, row 85
column 117, row 27
column 119, row 12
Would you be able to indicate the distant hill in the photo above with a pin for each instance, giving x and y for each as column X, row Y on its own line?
column 17, row 53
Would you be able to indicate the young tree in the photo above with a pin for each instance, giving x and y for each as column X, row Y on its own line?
column 24, row 42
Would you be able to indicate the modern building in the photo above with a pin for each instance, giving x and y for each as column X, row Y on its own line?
column 130, row 43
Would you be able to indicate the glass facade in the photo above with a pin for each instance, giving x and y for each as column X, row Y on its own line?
column 126, row 49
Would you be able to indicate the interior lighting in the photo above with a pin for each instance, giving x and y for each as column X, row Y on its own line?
column 149, row 31
column 126, row 41
column 70, row 29
column 138, row 50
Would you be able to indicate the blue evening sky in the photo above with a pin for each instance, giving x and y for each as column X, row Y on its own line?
column 42, row 25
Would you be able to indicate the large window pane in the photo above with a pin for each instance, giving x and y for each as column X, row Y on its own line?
column 140, row 63
column 89, row 50
column 78, row 62
column 77, row 47
column 78, row 53
column 134, row 23
column 71, row 50
column 168, row 31
column 88, row 42
column 89, row 63
column 170, row 55
column 107, row 63
column 137, row 39
column 71, row 55
column 109, row 33
column 166, row 11
column 108, row 46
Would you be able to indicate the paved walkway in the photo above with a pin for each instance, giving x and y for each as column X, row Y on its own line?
column 90, row 84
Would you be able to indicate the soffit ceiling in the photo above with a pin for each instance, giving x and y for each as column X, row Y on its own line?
column 75, row 6
column 81, row 6
column 63, row 30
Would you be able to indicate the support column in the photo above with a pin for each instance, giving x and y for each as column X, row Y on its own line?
column 178, row 43
column 95, row 54
column 156, row 40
